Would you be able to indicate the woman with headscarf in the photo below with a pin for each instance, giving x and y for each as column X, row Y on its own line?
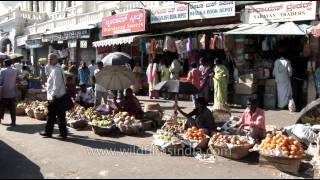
column 221, row 78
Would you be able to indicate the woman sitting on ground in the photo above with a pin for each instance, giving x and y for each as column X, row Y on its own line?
column 130, row 104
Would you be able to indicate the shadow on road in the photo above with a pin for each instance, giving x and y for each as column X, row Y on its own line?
column 27, row 128
column 14, row 165
column 105, row 144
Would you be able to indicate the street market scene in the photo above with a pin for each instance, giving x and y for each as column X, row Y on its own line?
column 159, row 89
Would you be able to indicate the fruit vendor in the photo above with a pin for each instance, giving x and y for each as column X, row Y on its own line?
column 130, row 104
column 203, row 117
column 86, row 96
column 253, row 117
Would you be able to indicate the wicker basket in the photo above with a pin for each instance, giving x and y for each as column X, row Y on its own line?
column 30, row 113
column 129, row 130
column 236, row 152
column 80, row 124
column 20, row 111
column 40, row 116
column 103, row 131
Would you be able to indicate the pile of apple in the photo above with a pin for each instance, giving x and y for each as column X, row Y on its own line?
column 219, row 139
column 281, row 145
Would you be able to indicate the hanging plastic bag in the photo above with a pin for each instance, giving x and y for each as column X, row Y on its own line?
column 292, row 105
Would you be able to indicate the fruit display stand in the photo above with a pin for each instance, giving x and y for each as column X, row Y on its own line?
column 103, row 131
column 30, row 112
column 281, row 152
column 288, row 165
column 230, row 146
column 127, row 124
column 196, row 138
column 77, row 119
column 168, row 142
column 21, row 109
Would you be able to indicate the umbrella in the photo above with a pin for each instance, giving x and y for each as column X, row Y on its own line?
column 116, row 58
column 115, row 77
column 177, row 87
column 312, row 109
column 15, row 56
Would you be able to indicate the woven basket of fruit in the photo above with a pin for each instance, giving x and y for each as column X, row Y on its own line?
column 78, row 124
column 196, row 138
column 127, row 124
column 230, row 146
column 40, row 116
column 30, row 112
column 102, row 127
column 168, row 142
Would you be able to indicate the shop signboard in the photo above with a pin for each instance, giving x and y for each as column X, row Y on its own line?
column 21, row 40
column 77, row 34
column 211, row 9
column 176, row 12
column 33, row 44
column 130, row 22
column 281, row 12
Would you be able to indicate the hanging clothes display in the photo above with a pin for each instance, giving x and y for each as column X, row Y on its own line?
column 202, row 41
column 189, row 44
column 169, row 44
column 207, row 41
column 159, row 46
column 148, row 47
column 219, row 42
column 306, row 49
column 213, row 41
column 153, row 48
column 195, row 43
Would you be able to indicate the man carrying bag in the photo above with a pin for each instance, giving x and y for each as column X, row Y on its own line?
column 59, row 101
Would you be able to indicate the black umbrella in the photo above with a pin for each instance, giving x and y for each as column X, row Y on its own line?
column 116, row 58
column 177, row 87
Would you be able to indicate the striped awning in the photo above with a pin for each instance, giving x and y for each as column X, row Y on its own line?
column 115, row 41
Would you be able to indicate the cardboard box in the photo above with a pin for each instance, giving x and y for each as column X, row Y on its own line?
column 271, row 82
column 248, row 78
column 245, row 88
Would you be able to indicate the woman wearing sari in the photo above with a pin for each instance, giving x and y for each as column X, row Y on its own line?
column 221, row 78
column 152, row 74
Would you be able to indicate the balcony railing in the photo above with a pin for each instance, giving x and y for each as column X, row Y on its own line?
column 87, row 18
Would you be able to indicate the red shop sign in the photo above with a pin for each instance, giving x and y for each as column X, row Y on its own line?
column 130, row 22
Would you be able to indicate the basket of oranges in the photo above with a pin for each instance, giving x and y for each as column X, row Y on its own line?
column 196, row 138
column 281, row 146
column 282, row 152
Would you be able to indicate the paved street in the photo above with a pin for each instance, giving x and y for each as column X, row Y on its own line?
column 25, row 154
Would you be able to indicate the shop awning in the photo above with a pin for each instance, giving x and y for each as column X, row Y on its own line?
column 289, row 28
column 205, row 28
column 116, row 41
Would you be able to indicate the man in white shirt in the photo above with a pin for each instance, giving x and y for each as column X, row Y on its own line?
column 101, row 92
column 85, row 97
column 56, row 90
column 92, row 67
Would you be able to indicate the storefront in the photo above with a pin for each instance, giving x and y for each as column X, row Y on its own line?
column 267, row 30
column 73, row 44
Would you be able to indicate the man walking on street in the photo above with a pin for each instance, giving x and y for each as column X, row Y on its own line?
column 84, row 74
column 56, row 90
column 101, row 92
column 9, row 97
column 92, row 67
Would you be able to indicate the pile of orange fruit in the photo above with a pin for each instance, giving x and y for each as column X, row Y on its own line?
column 287, row 145
column 195, row 134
